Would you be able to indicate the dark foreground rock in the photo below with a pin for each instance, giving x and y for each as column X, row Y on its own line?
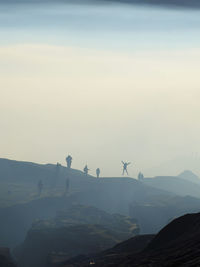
column 177, row 244
column 5, row 258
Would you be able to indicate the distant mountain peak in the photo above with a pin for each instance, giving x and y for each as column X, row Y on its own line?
column 190, row 176
column 188, row 172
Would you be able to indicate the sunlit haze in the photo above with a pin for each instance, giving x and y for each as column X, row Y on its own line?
column 101, row 84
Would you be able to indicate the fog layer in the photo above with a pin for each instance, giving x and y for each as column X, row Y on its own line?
column 104, row 84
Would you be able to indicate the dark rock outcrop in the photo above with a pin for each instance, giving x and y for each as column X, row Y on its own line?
column 77, row 230
column 5, row 258
column 177, row 244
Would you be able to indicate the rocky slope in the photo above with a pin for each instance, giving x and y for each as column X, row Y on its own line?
column 77, row 230
column 125, row 196
column 5, row 258
column 177, row 244
column 175, row 184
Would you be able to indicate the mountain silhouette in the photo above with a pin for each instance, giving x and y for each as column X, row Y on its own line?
column 152, row 207
column 189, row 176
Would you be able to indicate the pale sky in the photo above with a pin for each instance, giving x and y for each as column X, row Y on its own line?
column 102, row 101
column 100, row 106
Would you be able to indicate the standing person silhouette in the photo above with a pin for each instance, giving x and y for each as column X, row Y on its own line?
column 69, row 161
column 98, row 172
column 85, row 170
column 140, row 176
column 125, row 165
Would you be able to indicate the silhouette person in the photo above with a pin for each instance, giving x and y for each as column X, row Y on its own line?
column 40, row 187
column 85, row 170
column 58, row 169
column 69, row 161
column 140, row 176
column 125, row 165
column 98, row 172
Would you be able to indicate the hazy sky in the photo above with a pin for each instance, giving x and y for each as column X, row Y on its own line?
column 103, row 83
